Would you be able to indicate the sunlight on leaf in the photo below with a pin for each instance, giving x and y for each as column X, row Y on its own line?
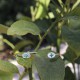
column 22, row 27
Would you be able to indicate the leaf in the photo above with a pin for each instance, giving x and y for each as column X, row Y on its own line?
column 61, row 3
column 25, row 62
column 73, row 14
column 57, row 7
column 77, row 60
column 70, row 55
column 43, row 24
column 49, row 70
column 53, row 9
column 74, row 23
column 67, row 3
column 22, row 27
column 3, row 29
column 72, row 36
column 68, row 74
column 6, row 76
column 76, row 4
column 22, row 44
column 8, row 67
column 42, row 8
column 26, row 18
column 47, row 3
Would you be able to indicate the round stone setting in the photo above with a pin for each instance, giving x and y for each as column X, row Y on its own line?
column 26, row 55
column 51, row 55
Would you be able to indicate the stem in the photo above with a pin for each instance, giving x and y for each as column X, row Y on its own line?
column 30, row 73
column 9, row 43
column 46, row 34
column 61, row 3
column 40, row 37
column 60, row 24
column 67, row 4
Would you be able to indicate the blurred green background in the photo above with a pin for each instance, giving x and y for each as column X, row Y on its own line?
column 10, row 10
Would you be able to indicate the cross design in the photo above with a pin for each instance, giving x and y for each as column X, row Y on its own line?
column 51, row 55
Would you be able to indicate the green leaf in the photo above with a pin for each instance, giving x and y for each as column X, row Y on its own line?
column 42, row 8
column 77, row 60
column 74, row 23
column 76, row 4
column 26, row 18
column 49, row 70
column 47, row 3
column 3, row 29
column 53, row 9
column 70, row 55
column 22, row 27
column 61, row 3
column 73, row 14
column 22, row 44
column 25, row 62
column 72, row 36
column 68, row 74
column 8, row 67
column 6, row 76
column 42, row 24
column 56, row 8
